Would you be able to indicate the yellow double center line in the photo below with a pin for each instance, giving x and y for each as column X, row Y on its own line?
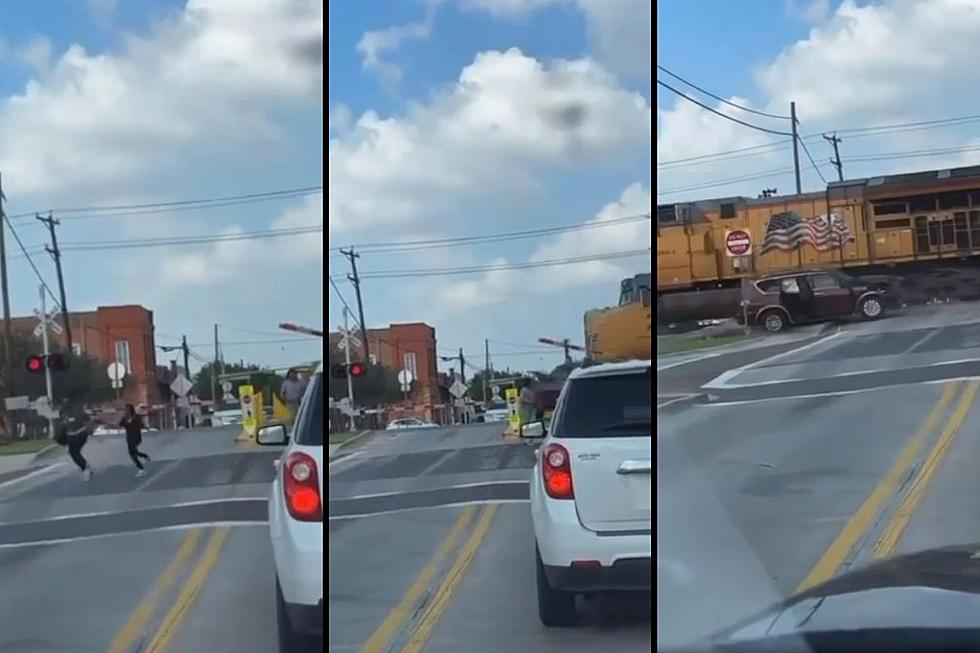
column 857, row 527
column 136, row 627
column 394, row 622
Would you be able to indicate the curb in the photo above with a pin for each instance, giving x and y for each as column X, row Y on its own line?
column 40, row 454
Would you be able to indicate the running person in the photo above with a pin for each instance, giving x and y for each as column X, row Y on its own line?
column 74, row 434
column 133, row 424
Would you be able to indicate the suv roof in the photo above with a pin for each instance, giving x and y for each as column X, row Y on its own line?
column 610, row 369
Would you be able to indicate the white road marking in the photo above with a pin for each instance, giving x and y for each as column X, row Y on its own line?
column 174, row 527
column 677, row 399
column 344, row 459
column 721, row 381
column 926, row 338
column 103, row 513
column 34, row 474
column 455, row 504
column 437, row 489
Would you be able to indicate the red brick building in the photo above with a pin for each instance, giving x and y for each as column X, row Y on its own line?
column 110, row 334
column 410, row 346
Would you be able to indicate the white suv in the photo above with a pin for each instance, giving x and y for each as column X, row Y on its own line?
column 590, row 489
column 296, row 523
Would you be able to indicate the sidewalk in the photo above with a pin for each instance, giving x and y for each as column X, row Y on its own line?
column 334, row 449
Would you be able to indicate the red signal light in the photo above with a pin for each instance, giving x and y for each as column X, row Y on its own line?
column 356, row 369
column 35, row 364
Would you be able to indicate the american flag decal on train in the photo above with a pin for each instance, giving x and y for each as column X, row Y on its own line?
column 787, row 231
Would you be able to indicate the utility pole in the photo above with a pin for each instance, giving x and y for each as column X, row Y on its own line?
column 187, row 371
column 214, row 368
column 835, row 141
column 8, row 377
column 462, row 367
column 47, row 368
column 352, row 256
column 796, row 146
column 56, row 255
column 350, row 381
column 486, row 373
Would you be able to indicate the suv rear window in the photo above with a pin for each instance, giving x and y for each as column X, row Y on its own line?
column 309, row 422
column 606, row 406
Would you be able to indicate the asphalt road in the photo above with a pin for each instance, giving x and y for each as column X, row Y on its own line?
column 431, row 549
column 804, row 463
column 178, row 560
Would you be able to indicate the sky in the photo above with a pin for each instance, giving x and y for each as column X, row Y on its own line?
column 105, row 103
column 450, row 119
column 871, row 72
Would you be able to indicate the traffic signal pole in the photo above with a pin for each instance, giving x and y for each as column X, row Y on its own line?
column 47, row 368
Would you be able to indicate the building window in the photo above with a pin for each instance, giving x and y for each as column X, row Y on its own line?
column 122, row 354
column 410, row 364
column 727, row 211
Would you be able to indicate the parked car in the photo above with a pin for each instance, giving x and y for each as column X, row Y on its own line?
column 229, row 414
column 590, row 488
column 296, row 522
column 778, row 300
column 409, row 423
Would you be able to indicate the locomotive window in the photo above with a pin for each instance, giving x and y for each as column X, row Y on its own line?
column 922, row 204
column 890, row 209
column 921, row 233
column 962, row 230
column 727, row 211
column 953, row 200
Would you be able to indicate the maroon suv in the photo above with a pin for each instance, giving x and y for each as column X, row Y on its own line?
column 777, row 300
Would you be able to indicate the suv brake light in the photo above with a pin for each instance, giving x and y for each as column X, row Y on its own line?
column 556, row 471
column 301, row 487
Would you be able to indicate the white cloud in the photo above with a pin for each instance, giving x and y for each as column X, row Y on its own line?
column 507, row 119
column 36, row 53
column 500, row 286
column 338, row 120
column 206, row 77
column 375, row 44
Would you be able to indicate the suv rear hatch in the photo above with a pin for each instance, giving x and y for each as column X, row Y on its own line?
column 605, row 423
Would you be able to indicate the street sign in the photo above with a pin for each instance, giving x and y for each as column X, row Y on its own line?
column 181, row 386
column 18, row 403
column 406, row 388
column 512, row 415
column 52, row 324
column 115, row 385
column 405, row 377
column 116, row 371
column 226, row 386
column 738, row 242
column 457, row 390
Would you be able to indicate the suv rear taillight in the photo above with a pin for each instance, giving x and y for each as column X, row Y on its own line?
column 302, row 487
column 556, row 471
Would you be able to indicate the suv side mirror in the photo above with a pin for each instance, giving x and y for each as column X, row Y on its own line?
column 533, row 430
column 272, row 435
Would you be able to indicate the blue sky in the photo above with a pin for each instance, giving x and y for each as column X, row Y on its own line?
column 472, row 66
column 108, row 103
column 847, row 64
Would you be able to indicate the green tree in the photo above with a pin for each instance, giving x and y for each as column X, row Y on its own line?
column 265, row 382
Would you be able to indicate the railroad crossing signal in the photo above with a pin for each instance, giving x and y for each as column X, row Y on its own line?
column 56, row 362
column 341, row 370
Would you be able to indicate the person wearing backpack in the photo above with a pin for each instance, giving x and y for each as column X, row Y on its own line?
column 74, row 433
column 133, row 424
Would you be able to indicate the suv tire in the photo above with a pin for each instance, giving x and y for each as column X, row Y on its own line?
column 870, row 308
column 290, row 640
column 773, row 320
column 555, row 608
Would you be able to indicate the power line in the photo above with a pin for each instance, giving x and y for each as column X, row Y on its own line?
column 31, row 261
column 734, row 157
column 812, row 162
column 721, row 99
column 139, row 243
column 198, row 203
column 719, row 113
column 430, row 272
column 714, row 154
column 413, row 245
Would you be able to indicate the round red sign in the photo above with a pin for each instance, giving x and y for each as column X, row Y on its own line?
column 738, row 242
